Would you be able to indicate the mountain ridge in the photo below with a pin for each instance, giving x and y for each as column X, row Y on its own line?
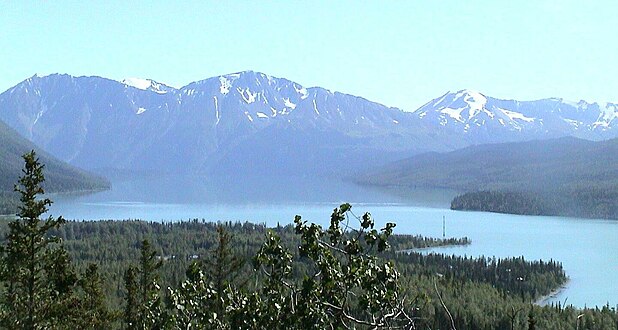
column 213, row 124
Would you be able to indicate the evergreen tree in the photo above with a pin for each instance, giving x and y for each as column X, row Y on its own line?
column 222, row 267
column 131, row 309
column 144, row 308
column 36, row 269
column 531, row 320
column 93, row 311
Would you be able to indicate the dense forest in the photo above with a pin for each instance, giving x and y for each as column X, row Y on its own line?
column 589, row 202
column 564, row 177
column 501, row 202
column 115, row 245
column 463, row 282
column 199, row 275
column 479, row 293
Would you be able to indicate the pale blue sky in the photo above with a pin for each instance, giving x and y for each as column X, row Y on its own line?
column 399, row 53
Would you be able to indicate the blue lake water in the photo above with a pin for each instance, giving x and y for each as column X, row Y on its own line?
column 588, row 249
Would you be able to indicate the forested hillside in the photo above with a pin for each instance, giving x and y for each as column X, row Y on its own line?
column 566, row 176
column 60, row 177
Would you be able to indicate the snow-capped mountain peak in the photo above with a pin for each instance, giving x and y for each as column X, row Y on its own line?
column 460, row 106
column 258, row 96
column 474, row 99
column 473, row 111
column 147, row 84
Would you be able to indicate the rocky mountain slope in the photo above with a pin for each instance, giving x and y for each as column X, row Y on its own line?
column 256, row 124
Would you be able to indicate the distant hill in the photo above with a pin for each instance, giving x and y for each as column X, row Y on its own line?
column 252, row 123
column 566, row 176
column 59, row 176
column 533, row 165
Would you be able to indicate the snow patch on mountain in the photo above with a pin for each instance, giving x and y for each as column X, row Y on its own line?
column 226, row 84
column 249, row 116
column 475, row 100
column 573, row 122
column 288, row 103
column 607, row 113
column 516, row 115
column 138, row 83
column 315, row 108
column 146, row 84
column 247, row 95
column 469, row 111
column 302, row 91
column 453, row 113
column 217, row 114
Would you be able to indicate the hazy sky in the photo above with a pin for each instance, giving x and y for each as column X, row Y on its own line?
column 399, row 53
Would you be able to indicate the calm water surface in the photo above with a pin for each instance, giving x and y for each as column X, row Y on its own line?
column 588, row 249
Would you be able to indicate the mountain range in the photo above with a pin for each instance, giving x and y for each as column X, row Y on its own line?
column 252, row 123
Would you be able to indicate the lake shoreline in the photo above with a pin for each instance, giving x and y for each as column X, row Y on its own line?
column 546, row 299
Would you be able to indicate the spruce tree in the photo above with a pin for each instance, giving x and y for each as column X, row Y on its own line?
column 222, row 267
column 93, row 311
column 36, row 269
column 144, row 305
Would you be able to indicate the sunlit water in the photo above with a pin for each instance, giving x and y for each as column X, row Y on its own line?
column 588, row 249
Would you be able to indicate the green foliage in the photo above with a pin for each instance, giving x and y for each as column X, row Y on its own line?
column 193, row 305
column 93, row 310
column 211, row 296
column 222, row 267
column 531, row 321
column 345, row 284
column 590, row 201
column 144, row 305
column 41, row 288
column 36, row 270
column 528, row 280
